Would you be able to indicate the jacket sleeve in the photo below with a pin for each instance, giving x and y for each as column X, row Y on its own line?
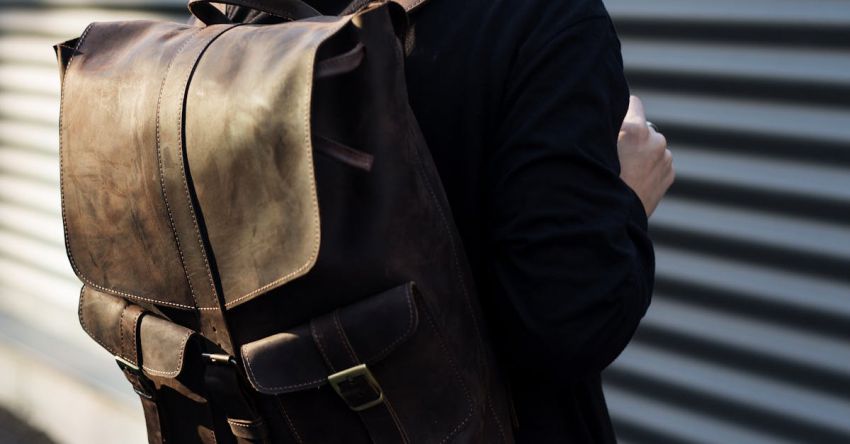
column 571, row 264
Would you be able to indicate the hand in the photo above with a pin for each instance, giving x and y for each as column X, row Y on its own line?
column 646, row 165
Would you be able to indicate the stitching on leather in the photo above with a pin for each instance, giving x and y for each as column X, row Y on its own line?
column 121, row 334
column 411, row 313
column 212, row 435
column 456, row 373
column 176, row 371
column 163, row 193
column 287, row 387
column 71, row 259
column 81, row 315
column 313, row 195
column 289, row 421
column 134, row 337
column 397, row 422
column 235, row 422
column 496, row 417
column 318, row 343
column 344, row 338
column 180, row 148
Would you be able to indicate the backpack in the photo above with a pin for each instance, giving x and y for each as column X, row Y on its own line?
column 264, row 241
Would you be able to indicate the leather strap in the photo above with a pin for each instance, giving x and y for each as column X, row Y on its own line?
column 226, row 391
column 380, row 420
column 408, row 5
column 129, row 360
column 187, row 222
column 222, row 375
column 287, row 9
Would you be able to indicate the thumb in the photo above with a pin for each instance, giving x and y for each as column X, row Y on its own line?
column 636, row 113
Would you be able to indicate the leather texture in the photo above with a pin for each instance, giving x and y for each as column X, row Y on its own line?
column 255, row 204
column 292, row 360
column 159, row 344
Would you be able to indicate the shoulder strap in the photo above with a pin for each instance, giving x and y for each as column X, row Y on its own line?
column 286, row 9
column 408, row 5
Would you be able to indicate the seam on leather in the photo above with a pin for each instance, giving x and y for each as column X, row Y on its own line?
column 81, row 315
column 121, row 334
column 496, row 417
column 289, row 421
column 411, row 317
column 321, row 348
column 176, row 371
column 253, row 378
column 344, row 338
column 163, row 193
column 394, row 416
column 180, row 148
column 457, row 375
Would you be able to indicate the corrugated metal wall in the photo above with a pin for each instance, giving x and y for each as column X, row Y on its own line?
column 748, row 337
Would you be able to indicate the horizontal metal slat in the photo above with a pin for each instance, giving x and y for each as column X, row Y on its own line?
column 32, row 51
column 751, row 117
column 814, row 13
column 660, row 422
column 783, row 342
column 37, row 80
column 45, row 228
column 34, row 253
column 748, row 227
column 42, row 137
column 764, row 286
column 65, row 24
column 29, row 108
column 738, row 62
column 30, row 194
column 781, row 177
column 750, row 391
column 29, row 163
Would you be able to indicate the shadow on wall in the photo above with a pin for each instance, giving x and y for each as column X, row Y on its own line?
column 746, row 338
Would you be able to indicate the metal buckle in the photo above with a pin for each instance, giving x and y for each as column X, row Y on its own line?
column 357, row 387
column 124, row 364
column 141, row 384
column 219, row 358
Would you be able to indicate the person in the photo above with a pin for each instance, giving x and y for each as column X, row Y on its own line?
column 521, row 104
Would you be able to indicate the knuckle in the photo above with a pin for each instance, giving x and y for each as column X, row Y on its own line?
column 632, row 128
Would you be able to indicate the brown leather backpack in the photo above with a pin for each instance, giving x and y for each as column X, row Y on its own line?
column 263, row 239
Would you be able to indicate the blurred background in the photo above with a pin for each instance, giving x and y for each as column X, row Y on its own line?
column 748, row 336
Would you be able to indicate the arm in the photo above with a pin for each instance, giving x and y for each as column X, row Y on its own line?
column 571, row 260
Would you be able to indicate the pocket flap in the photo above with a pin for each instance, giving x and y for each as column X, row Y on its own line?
column 161, row 344
column 290, row 361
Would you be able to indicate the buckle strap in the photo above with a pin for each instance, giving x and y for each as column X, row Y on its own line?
column 130, row 361
column 354, row 382
column 227, row 392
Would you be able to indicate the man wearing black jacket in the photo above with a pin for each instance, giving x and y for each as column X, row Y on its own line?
column 521, row 103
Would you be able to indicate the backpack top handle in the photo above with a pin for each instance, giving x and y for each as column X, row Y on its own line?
column 286, row 9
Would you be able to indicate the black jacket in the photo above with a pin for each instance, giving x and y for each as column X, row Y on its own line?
column 520, row 102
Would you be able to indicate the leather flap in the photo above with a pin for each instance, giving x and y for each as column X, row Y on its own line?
column 290, row 361
column 177, row 140
column 161, row 343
